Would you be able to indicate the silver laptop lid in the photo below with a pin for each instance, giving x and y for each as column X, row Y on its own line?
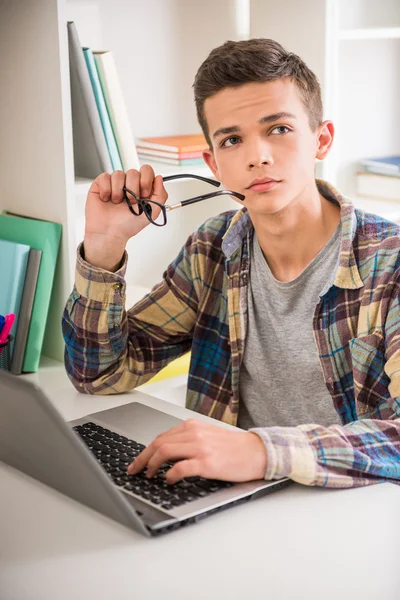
column 35, row 440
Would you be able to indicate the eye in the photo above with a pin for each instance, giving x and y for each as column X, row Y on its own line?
column 234, row 139
column 280, row 127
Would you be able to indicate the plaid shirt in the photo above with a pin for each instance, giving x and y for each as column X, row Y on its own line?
column 201, row 305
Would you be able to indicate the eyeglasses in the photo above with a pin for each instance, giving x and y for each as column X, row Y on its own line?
column 144, row 205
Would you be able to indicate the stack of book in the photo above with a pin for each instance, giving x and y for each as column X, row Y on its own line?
column 29, row 249
column 379, row 178
column 102, row 135
column 179, row 150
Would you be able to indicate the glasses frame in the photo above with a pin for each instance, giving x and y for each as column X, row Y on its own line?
column 145, row 205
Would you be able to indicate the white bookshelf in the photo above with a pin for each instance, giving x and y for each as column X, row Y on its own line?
column 352, row 45
column 378, row 33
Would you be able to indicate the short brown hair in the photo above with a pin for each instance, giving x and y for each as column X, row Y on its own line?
column 257, row 60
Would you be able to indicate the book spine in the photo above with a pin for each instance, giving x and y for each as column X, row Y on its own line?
column 114, row 99
column 380, row 171
column 179, row 155
column 195, row 148
column 102, row 108
column 25, row 313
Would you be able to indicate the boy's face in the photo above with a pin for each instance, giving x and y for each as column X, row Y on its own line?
column 248, row 144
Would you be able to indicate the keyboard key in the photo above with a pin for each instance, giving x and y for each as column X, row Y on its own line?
column 198, row 491
column 119, row 482
column 111, row 444
column 125, row 458
column 97, row 436
column 190, row 497
column 208, row 486
column 184, row 484
column 99, row 446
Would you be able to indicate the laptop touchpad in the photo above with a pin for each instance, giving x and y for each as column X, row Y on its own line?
column 135, row 420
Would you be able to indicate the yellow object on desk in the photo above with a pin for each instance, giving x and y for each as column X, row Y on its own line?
column 179, row 366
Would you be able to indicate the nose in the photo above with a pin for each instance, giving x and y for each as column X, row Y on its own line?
column 259, row 153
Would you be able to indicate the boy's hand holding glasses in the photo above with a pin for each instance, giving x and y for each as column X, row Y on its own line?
column 120, row 205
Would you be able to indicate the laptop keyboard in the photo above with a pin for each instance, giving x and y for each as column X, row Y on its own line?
column 115, row 452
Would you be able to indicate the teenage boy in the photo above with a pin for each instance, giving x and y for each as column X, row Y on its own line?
column 290, row 305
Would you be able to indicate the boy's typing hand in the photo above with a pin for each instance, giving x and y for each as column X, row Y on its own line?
column 204, row 450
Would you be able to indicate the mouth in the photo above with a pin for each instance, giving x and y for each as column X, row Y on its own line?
column 263, row 185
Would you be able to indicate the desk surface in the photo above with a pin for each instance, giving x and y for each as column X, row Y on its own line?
column 296, row 543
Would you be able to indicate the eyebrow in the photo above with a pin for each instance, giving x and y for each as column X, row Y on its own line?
column 262, row 121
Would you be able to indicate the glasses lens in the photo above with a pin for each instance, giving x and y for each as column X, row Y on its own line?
column 151, row 208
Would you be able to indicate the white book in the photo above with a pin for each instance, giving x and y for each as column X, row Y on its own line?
column 378, row 186
column 116, row 108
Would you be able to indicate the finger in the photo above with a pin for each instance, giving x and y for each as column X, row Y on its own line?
column 117, row 184
column 184, row 468
column 144, row 457
column 146, row 181
column 102, row 186
column 141, row 460
column 132, row 182
column 171, row 451
column 159, row 192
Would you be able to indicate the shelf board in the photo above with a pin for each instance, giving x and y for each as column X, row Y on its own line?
column 374, row 33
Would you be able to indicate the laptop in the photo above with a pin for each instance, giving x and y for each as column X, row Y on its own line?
column 86, row 459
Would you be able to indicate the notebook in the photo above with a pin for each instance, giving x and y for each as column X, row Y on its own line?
column 44, row 236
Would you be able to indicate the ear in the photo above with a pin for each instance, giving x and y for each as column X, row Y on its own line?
column 325, row 139
column 209, row 159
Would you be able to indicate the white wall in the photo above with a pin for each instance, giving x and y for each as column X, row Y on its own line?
column 368, row 13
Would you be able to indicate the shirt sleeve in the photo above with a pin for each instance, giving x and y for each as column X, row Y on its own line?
column 110, row 350
column 360, row 453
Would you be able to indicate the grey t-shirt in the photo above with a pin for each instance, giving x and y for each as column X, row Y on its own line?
column 281, row 381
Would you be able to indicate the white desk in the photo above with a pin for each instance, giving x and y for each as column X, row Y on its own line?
column 296, row 543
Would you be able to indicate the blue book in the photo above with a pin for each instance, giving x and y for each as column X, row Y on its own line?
column 13, row 264
column 386, row 165
column 102, row 108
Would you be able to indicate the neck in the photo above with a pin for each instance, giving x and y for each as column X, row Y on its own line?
column 291, row 238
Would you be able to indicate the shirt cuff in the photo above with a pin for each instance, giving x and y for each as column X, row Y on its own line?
column 98, row 284
column 289, row 453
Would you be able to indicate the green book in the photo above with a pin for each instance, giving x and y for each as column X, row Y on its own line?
column 44, row 236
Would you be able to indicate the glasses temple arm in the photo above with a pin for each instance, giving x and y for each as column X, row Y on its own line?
column 205, row 197
column 189, row 176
